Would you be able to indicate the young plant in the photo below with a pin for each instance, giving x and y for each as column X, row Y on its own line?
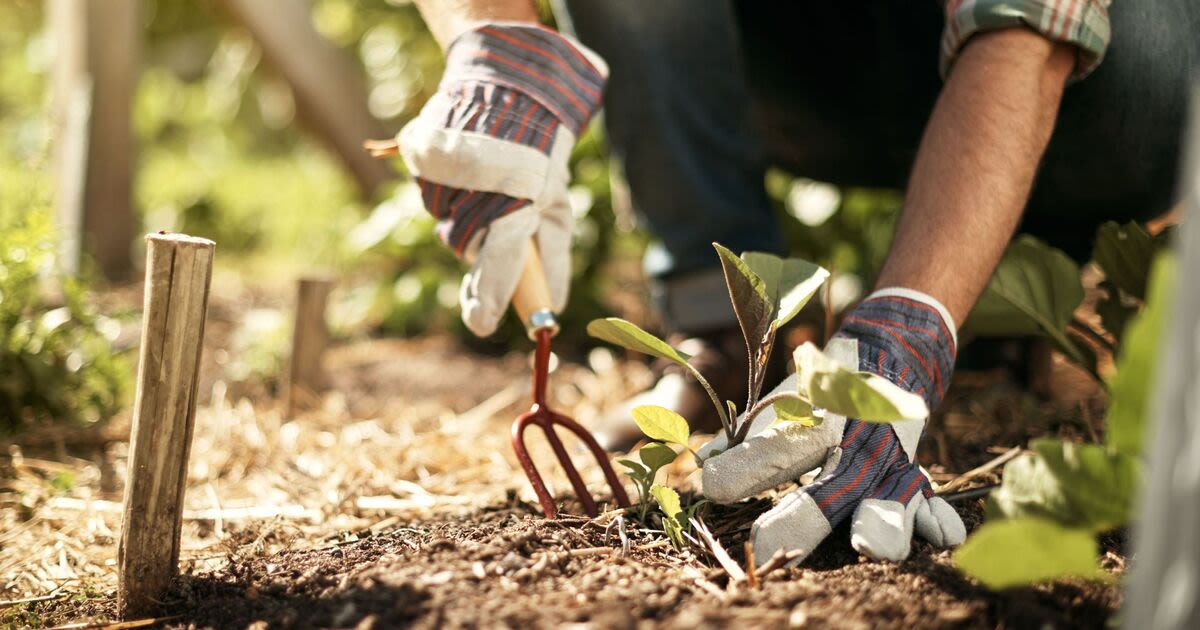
column 767, row 292
column 653, row 457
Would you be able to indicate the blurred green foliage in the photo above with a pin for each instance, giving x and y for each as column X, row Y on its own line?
column 221, row 155
column 57, row 362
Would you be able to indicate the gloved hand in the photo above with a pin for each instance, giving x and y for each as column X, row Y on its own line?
column 490, row 152
column 866, row 468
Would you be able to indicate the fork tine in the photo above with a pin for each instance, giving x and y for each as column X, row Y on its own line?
column 531, row 471
column 601, row 456
column 581, row 491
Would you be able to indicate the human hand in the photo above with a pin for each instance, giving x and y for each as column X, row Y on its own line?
column 490, row 153
column 867, row 469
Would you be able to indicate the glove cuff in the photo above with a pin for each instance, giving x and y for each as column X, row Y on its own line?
column 562, row 75
column 906, row 337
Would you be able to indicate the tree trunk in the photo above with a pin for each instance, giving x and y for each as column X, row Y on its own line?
column 330, row 95
column 95, row 74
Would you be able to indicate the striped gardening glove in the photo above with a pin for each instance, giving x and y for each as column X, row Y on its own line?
column 490, row 152
column 867, row 469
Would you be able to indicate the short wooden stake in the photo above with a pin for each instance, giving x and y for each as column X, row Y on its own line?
column 178, row 272
column 310, row 337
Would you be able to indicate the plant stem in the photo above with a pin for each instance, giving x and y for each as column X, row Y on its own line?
column 716, row 401
column 758, row 408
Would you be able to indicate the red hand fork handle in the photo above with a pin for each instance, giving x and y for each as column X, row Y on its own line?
column 532, row 303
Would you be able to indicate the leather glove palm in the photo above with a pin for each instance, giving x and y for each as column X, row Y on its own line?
column 867, row 469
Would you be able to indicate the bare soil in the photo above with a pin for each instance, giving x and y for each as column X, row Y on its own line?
column 506, row 567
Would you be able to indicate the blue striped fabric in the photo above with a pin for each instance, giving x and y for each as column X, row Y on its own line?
column 904, row 341
column 497, row 111
column 908, row 343
column 461, row 213
column 869, row 452
column 511, row 82
column 531, row 60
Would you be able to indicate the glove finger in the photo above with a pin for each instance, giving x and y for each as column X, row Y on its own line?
column 555, row 228
column 940, row 524
column 488, row 288
column 883, row 523
column 795, row 525
column 779, row 454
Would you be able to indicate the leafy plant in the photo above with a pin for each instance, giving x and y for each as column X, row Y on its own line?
column 57, row 362
column 1044, row 519
column 1036, row 290
column 767, row 292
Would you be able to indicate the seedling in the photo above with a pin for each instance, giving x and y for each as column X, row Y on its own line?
column 767, row 292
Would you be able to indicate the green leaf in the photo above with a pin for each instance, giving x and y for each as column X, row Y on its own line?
column 1079, row 485
column 827, row 384
column 1035, row 290
column 656, row 455
column 790, row 282
column 628, row 335
column 1124, row 253
column 660, row 423
column 1133, row 383
column 794, row 410
column 636, row 469
column 1025, row 551
column 751, row 302
column 668, row 501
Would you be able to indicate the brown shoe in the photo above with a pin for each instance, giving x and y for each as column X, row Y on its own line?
column 721, row 357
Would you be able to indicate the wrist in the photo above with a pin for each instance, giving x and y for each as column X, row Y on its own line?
column 907, row 337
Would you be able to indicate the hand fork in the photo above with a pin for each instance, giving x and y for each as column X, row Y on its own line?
column 532, row 303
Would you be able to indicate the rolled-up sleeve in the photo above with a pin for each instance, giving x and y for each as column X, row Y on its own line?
column 1081, row 23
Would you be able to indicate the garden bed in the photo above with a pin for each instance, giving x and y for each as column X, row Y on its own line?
column 397, row 500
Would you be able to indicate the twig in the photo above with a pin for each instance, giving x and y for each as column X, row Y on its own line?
column 624, row 536
column 1081, row 328
column 748, row 548
column 735, row 572
column 966, row 495
column 381, row 148
column 31, row 600
column 962, row 480
column 590, row 551
column 780, row 558
column 110, row 625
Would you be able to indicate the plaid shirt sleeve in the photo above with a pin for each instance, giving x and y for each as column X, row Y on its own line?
column 1082, row 23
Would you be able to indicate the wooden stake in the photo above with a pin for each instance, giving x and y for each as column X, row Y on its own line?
column 178, row 272
column 310, row 336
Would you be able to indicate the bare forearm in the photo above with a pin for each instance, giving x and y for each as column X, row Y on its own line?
column 976, row 164
column 449, row 18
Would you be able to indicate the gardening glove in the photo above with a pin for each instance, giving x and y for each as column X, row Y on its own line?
column 490, row 153
column 867, row 469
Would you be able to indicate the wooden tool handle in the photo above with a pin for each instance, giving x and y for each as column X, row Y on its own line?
column 532, row 299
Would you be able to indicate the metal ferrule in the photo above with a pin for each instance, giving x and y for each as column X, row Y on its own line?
column 541, row 320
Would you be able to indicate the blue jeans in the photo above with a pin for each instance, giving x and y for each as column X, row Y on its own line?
column 704, row 94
